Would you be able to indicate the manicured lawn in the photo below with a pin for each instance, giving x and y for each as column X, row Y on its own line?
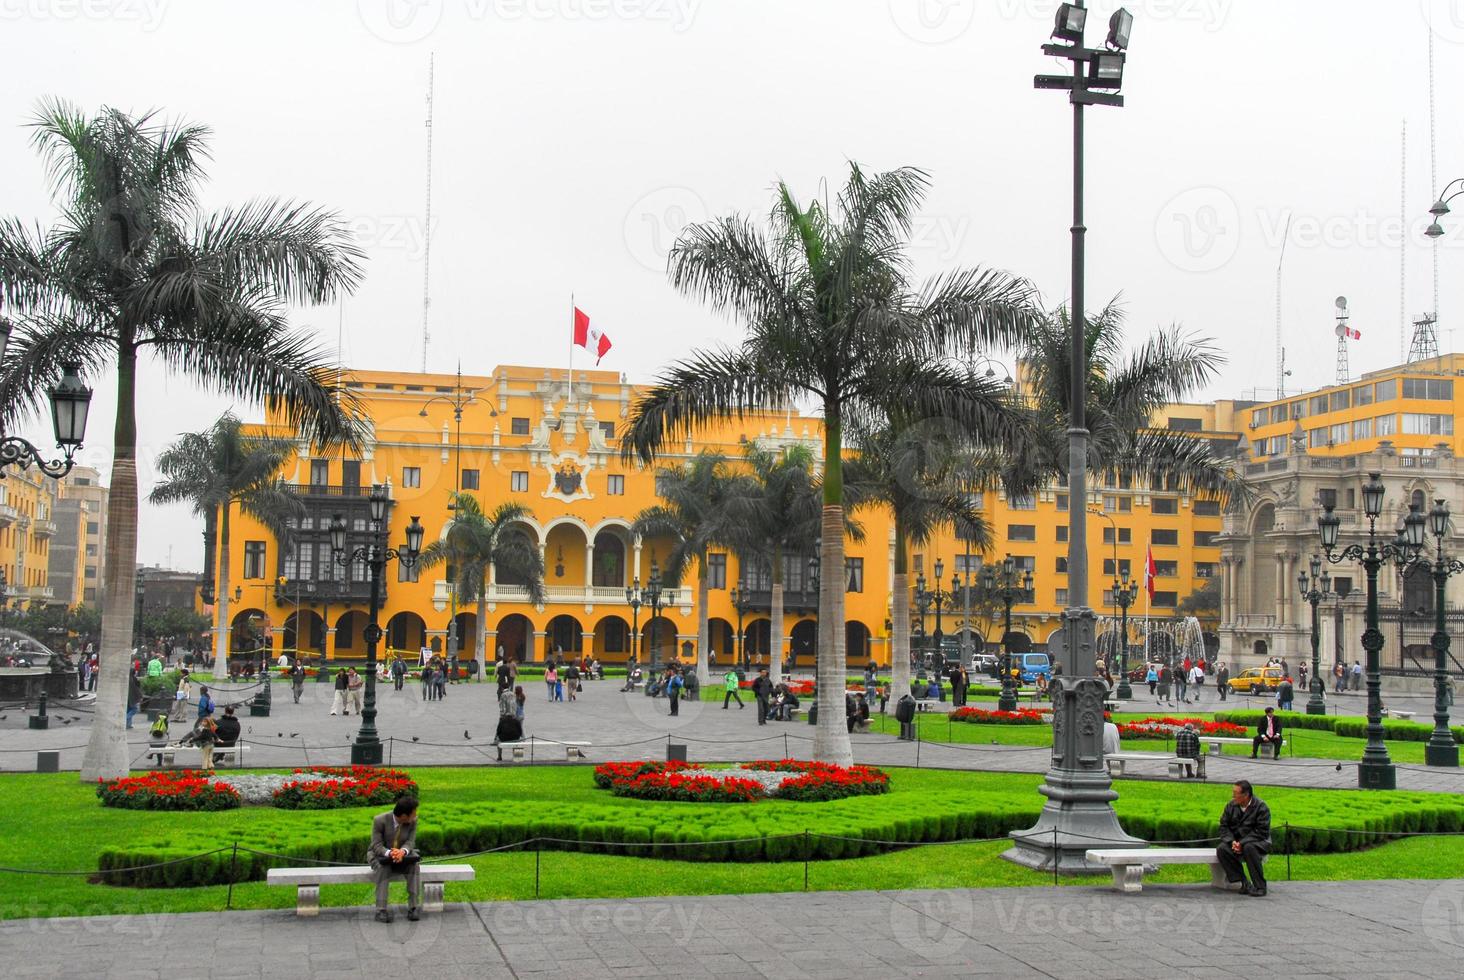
column 75, row 829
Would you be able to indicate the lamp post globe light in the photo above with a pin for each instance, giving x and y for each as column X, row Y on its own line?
column 923, row 598
column 1125, row 592
column 366, row 750
column 741, row 604
column 1008, row 586
column 656, row 597
column 1079, row 792
column 939, row 596
column 633, row 600
column 1441, row 206
column 1441, row 749
column 1315, row 586
column 70, row 403
column 1376, row 770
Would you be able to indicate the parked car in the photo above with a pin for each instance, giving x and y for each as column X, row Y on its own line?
column 1255, row 680
column 1029, row 666
column 986, row 663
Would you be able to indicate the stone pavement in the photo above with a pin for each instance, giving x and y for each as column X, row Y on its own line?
column 459, row 729
column 1303, row 929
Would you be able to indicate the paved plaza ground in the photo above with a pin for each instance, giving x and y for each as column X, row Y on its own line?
column 458, row 730
column 1313, row 929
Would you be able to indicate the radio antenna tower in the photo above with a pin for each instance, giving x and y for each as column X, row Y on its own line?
column 427, row 232
column 1425, row 339
column 1342, row 330
column 1281, row 371
column 1403, row 244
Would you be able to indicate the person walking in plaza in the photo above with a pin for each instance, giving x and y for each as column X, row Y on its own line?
column 571, row 680
column 1268, row 732
column 1180, row 675
column 297, row 680
column 673, row 691
column 869, row 681
column 1197, row 680
column 338, row 704
column 519, row 698
column 551, row 679
column 1165, row 680
column 393, row 852
column 1152, row 678
column 439, row 679
column 1222, row 682
column 426, row 679
column 398, row 672
column 134, row 696
column 1357, row 675
column 354, row 684
column 206, row 703
column 1245, row 839
column 1285, row 694
column 762, row 691
column 502, row 676
column 729, row 682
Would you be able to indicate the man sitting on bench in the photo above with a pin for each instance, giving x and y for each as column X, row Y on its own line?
column 510, row 729
column 1268, row 732
column 1245, row 839
column 393, row 851
column 1187, row 748
column 226, row 732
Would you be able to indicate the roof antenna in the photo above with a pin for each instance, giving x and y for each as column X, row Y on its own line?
column 1281, row 371
column 427, row 232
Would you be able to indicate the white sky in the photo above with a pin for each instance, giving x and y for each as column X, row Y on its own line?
column 575, row 137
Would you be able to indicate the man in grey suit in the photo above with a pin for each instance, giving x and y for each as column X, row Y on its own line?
column 393, row 852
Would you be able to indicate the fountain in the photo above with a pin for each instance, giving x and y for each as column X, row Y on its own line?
column 41, row 669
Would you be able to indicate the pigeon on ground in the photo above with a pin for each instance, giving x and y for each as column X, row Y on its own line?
column 294, row 734
column 414, row 738
column 465, row 734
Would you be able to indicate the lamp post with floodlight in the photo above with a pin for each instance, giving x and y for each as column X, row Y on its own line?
column 1315, row 588
column 1441, row 206
column 70, row 402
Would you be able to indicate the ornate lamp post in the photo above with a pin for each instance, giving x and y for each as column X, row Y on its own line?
column 70, row 402
column 740, row 603
column 657, row 597
column 366, row 751
column 633, row 600
column 1124, row 594
column 940, row 596
column 1441, row 749
column 922, row 606
column 1441, row 206
column 1376, row 770
column 1007, row 586
column 1315, row 588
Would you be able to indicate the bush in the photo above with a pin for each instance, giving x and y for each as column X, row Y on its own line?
column 167, row 790
column 332, row 788
column 1348, row 727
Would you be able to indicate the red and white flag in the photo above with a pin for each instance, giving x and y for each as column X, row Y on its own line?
column 588, row 337
column 1353, row 334
column 1150, row 573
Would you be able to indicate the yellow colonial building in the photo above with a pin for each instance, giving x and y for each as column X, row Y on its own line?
column 536, row 437
column 27, row 525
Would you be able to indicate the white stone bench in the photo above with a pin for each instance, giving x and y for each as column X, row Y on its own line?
column 165, row 754
column 1268, row 749
column 1128, row 864
column 307, row 882
column 1116, row 761
column 1404, row 715
column 523, row 748
column 926, row 704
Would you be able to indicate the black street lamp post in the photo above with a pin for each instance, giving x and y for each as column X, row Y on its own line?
column 1441, row 749
column 70, row 402
column 1008, row 586
column 367, row 750
column 1316, row 588
column 939, row 596
column 657, row 597
column 633, row 600
column 923, row 599
column 1125, row 592
column 740, row 603
column 1441, row 206
column 1376, row 770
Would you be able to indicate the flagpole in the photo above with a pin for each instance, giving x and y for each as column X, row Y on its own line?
column 570, row 399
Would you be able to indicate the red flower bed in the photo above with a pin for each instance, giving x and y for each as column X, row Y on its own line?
column 609, row 773
column 167, row 790
column 819, row 781
column 688, row 787
column 1165, row 727
column 333, row 787
column 799, row 689
column 980, row 716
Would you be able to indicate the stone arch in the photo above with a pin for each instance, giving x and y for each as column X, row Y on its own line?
column 565, row 541
column 857, row 648
column 304, row 633
column 611, row 569
column 564, row 635
column 803, row 642
column 664, row 647
column 757, row 635
column 515, row 636
column 1261, row 561
column 467, row 634
column 350, row 633
column 406, row 633
column 722, row 640
column 612, row 640
column 249, row 629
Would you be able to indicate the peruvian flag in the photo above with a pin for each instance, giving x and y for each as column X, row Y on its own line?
column 1150, row 572
column 588, row 337
column 1351, row 334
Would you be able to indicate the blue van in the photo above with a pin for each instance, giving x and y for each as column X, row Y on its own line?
column 1030, row 666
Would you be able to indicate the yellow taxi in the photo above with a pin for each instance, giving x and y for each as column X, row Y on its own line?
column 1257, row 679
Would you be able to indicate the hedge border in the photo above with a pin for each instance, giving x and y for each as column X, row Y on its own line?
column 1347, row 726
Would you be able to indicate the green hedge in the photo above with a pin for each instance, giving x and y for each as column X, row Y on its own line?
column 771, row 831
column 1344, row 725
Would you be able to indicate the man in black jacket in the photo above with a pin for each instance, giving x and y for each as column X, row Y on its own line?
column 1245, row 839
column 226, row 733
column 1269, row 733
column 762, row 689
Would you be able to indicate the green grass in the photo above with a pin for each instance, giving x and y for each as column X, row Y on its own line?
column 76, row 830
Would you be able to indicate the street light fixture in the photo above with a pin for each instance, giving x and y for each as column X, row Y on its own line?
column 1125, row 592
column 1009, row 587
column 1376, row 770
column 741, row 604
column 367, row 749
column 633, row 600
column 1315, row 588
column 70, row 404
column 1441, row 207
column 1441, row 749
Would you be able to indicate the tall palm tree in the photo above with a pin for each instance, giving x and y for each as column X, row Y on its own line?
column 830, row 314
column 474, row 540
column 782, row 513
column 217, row 470
column 696, row 513
column 135, row 267
column 916, row 472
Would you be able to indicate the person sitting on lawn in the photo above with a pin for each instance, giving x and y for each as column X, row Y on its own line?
column 1268, row 732
column 1245, row 839
column 1187, row 746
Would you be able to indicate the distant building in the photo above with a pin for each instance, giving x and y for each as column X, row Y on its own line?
column 78, row 551
column 164, row 588
column 27, row 526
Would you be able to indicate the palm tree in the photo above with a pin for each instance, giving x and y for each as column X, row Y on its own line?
column 697, row 512
column 136, row 267
column 830, row 314
column 216, row 470
column 917, row 473
column 474, row 541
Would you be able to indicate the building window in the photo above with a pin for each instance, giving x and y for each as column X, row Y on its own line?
column 1025, row 563
column 1195, row 425
column 1386, row 425
column 1362, row 429
column 1207, row 508
column 1125, row 535
column 93, row 527
column 1062, row 533
column 1165, row 536
column 1362, row 395
column 615, row 484
column 717, row 571
column 254, row 559
column 1386, row 391
column 967, row 564
column 1061, row 565
column 1123, row 568
column 1062, row 597
column 1166, row 569
column 351, row 474
column 1342, row 585
column 319, row 472
column 1117, row 504
column 408, row 573
column 519, row 481
column 518, row 427
column 1428, row 425
column 1062, row 501
column 470, row 479
column 660, row 485
column 1318, row 405
column 1316, row 438
column 411, row 476
column 855, row 568
column 1021, row 532
column 1433, row 389
column 1206, row 539
column 1205, row 569
column 1022, row 501
column 1341, row 399
column 1339, row 433
column 1166, row 600
column 1164, row 505
column 607, row 429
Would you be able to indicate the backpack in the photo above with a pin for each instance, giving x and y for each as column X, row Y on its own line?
column 159, row 727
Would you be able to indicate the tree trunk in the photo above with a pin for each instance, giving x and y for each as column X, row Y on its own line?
column 900, row 620
column 107, row 755
column 775, row 627
column 831, row 735
column 481, row 629
column 221, row 638
column 703, row 630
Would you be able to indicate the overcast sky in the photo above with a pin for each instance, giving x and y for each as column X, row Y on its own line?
column 573, row 138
